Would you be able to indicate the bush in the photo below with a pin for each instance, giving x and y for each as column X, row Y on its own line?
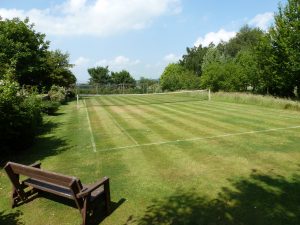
column 70, row 93
column 176, row 77
column 49, row 107
column 57, row 94
column 20, row 115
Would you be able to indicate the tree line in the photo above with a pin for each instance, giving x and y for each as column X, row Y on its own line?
column 110, row 81
column 102, row 75
column 264, row 62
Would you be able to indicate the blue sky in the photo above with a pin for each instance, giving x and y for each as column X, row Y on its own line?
column 137, row 35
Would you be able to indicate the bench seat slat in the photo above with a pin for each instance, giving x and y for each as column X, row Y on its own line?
column 51, row 188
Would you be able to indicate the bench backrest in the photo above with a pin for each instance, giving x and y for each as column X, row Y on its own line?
column 42, row 175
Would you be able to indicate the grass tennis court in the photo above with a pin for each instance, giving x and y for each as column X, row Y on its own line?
column 172, row 160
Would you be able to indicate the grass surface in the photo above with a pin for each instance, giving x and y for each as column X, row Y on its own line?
column 195, row 162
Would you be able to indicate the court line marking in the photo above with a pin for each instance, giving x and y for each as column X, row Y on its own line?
column 90, row 128
column 199, row 138
column 120, row 127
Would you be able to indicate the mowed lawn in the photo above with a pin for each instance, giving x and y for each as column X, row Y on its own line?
column 170, row 162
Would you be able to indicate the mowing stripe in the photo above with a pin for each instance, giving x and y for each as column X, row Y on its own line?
column 90, row 128
column 199, row 138
column 120, row 127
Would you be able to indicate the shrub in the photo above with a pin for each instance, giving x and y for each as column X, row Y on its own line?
column 49, row 107
column 20, row 115
column 57, row 94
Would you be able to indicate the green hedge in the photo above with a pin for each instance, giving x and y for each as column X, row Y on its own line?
column 20, row 116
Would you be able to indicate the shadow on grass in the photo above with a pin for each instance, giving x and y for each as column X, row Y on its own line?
column 11, row 218
column 99, row 211
column 259, row 200
column 44, row 145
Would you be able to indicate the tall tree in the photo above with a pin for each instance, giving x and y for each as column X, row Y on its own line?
column 24, row 55
column 284, row 50
column 22, row 51
column 99, row 75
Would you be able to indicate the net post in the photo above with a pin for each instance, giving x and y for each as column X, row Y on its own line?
column 209, row 98
column 77, row 98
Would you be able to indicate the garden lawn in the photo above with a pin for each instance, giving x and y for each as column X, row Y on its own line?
column 185, row 162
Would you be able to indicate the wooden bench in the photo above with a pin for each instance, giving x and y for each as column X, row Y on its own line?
column 69, row 187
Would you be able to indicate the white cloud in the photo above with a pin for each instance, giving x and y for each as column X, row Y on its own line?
column 171, row 58
column 99, row 17
column 215, row 37
column 118, row 61
column 262, row 20
column 81, row 61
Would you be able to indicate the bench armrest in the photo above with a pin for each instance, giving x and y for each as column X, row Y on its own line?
column 86, row 191
column 36, row 165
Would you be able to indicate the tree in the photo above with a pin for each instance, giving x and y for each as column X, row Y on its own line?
column 24, row 55
column 247, row 37
column 249, row 73
column 122, row 77
column 222, row 75
column 58, row 68
column 22, row 50
column 283, row 55
column 99, row 75
column 176, row 77
column 213, row 54
column 193, row 59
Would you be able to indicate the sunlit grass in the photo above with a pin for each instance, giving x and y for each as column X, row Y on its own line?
column 157, row 154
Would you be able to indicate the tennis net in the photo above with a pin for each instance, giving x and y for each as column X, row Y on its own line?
column 147, row 99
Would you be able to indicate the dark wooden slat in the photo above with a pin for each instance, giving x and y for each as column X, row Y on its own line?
column 51, row 188
column 40, row 174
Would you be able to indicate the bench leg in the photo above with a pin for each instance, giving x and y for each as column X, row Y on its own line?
column 14, row 198
column 84, row 211
column 107, row 197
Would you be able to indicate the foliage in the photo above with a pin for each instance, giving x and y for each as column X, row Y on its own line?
column 99, row 75
column 49, row 107
column 280, row 54
column 224, row 76
column 24, row 54
column 247, row 37
column 22, row 49
column 193, row 59
column 20, row 115
column 213, row 54
column 58, row 68
column 57, row 94
column 176, row 77
column 149, row 85
column 122, row 77
column 102, row 76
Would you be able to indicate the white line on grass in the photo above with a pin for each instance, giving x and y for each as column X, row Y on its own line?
column 199, row 138
column 120, row 127
column 90, row 128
